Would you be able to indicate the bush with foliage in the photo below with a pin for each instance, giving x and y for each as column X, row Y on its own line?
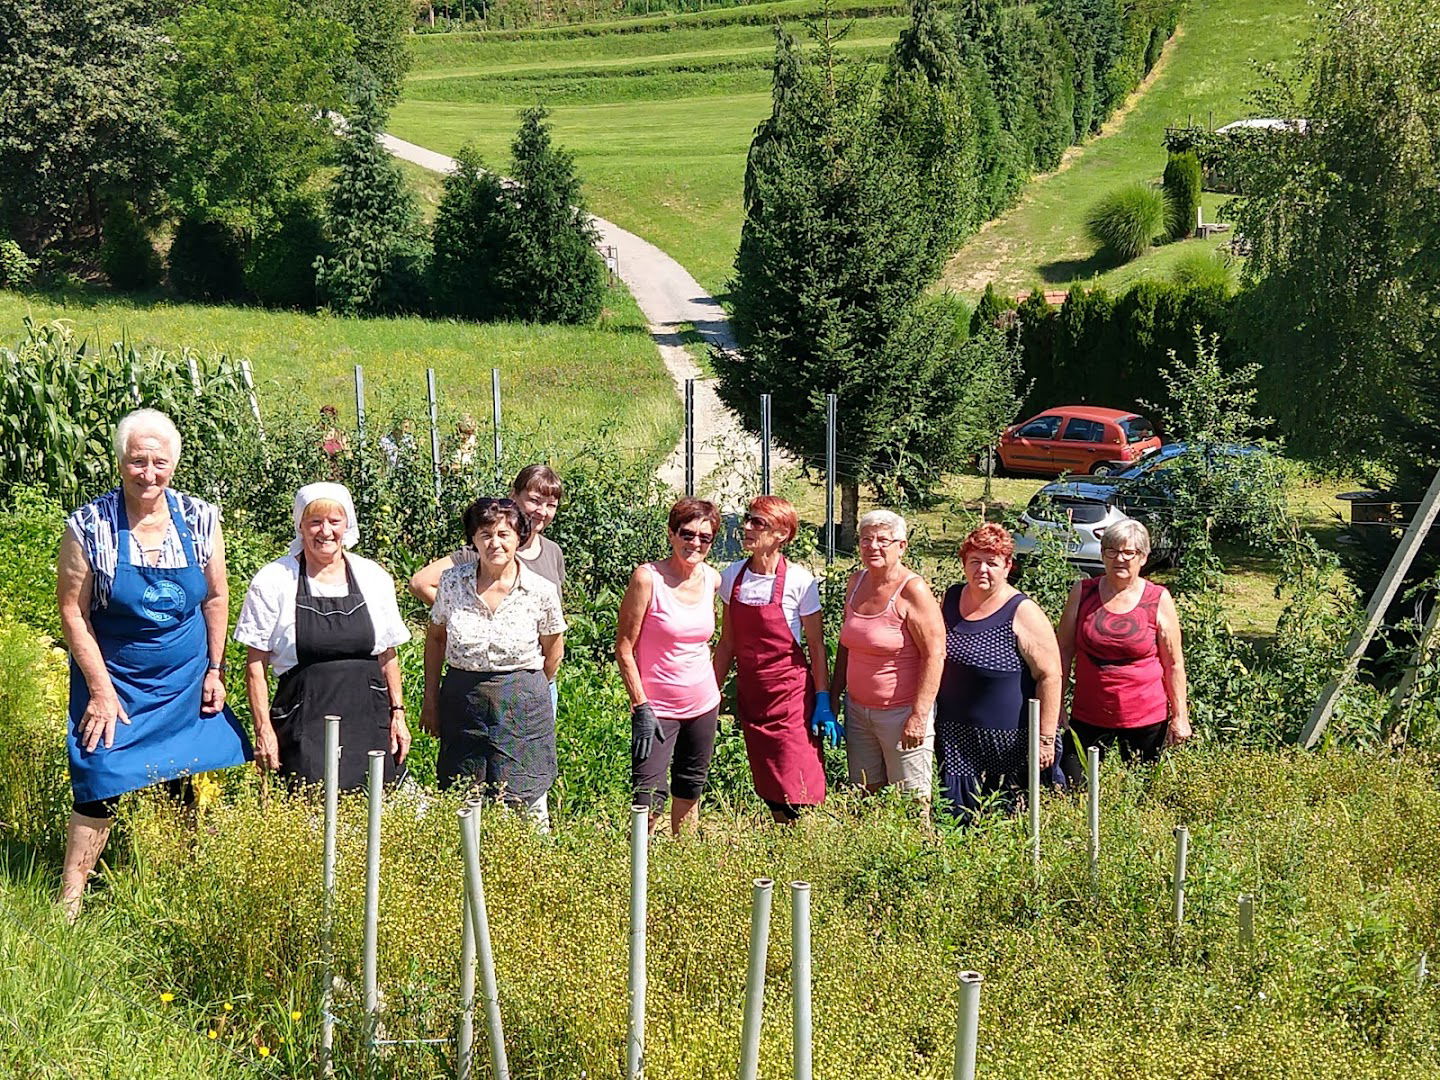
column 469, row 237
column 16, row 268
column 127, row 256
column 1182, row 182
column 1204, row 270
column 1127, row 220
column 280, row 267
column 207, row 261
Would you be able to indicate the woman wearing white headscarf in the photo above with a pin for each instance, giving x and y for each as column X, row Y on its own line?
column 327, row 623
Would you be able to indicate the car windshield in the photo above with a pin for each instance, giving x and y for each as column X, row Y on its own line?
column 1137, row 429
column 1059, row 508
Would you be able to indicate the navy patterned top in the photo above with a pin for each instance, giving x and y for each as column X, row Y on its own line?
column 985, row 682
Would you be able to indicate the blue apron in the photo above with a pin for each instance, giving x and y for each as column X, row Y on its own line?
column 152, row 636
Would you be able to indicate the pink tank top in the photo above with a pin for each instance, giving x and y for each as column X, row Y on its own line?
column 1119, row 681
column 882, row 666
column 673, row 651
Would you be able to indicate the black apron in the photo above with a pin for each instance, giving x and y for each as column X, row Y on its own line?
column 336, row 673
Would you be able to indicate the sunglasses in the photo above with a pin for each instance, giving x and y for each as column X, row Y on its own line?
column 504, row 504
column 690, row 536
column 757, row 522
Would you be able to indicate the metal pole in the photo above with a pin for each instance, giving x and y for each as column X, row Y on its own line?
column 465, row 1037
column 1094, row 757
column 332, row 806
column 1247, row 920
column 1177, row 885
column 475, row 893
column 495, row 410
column 1034, row 807
column 800, row 974
column 372, row 899
column 967, row 1031
column 829, row 479
column 434, row 430
column 690, row 437
column 755, row 978
column 765, row 444
column 360, row 404
column 194, row 373
column 639, row 886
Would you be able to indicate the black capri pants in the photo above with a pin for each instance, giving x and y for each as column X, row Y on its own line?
column 181, row 790
column 684, row 754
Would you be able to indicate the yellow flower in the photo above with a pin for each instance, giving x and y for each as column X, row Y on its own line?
column 227, row 1006
column 264, row 1051
column 295, row 1014
column 207, row 790
column 212, row 1033
column 167, row 997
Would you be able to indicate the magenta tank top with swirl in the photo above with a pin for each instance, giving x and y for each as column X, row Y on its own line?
column 1119, row 681
column 673, row 650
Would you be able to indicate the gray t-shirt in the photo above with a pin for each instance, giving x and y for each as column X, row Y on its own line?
column 549, row 563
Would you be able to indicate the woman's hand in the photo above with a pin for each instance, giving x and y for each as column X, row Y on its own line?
column 267, row 747
column 97, row 725
column 430, row 716
column 1049, row 747
column 912, row 735
column 212, row 697
column 399, row 736
column 1179, row 731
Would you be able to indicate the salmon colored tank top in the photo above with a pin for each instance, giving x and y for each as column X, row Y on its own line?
column 882, row 666
column 673, row 651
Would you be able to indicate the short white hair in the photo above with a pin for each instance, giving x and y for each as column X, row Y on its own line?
column 1127, row 531
column 884, row 519
column 146, row 422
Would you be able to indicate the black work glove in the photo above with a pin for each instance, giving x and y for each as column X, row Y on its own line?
column 644, row 731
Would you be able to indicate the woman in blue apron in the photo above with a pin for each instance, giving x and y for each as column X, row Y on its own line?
column 327, row 623
column 143, row 607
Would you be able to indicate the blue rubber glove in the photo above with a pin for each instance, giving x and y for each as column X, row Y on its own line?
column 823, row 721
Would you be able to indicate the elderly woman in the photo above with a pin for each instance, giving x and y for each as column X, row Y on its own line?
column 1122, row 635
column 497, row 630
column 662, row 645
column 1000, row 651
column 892, row 648
column 327, row 624
column 537, row 491
column 143, row 607
column 772, row 609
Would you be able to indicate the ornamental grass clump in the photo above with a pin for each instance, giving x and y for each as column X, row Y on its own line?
column 1127, row 220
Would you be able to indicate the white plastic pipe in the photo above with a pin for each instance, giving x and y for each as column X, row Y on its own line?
column 1177, row 885
column 800, row 975
column 1247, row 920
column 1034, row 706
column 372, row 897
column 332, row 807
column 475, row 893
column 639, row 887
column 967, row 1030
column 465, row 1036
column 1094, row 761
column 755, row 977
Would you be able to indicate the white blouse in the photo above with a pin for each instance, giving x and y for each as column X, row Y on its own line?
column 801, row 596
column 506, row 639
column 267, row 619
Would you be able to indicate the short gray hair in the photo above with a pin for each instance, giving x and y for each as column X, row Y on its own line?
column 883, row 519
column 146, row 422
column 1127, row 530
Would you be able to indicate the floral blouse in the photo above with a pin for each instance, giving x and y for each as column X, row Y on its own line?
column 506, row 639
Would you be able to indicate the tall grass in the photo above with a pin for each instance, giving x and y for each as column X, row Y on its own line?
column 1127, row 220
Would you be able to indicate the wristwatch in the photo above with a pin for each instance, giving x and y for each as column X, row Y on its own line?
column 220, row 667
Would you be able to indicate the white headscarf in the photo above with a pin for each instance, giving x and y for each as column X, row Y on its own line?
column 336, row 493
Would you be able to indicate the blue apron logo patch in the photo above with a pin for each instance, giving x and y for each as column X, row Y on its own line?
column 163, row 601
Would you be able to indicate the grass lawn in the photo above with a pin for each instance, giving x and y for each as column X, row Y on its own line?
column 1209, row 68
column 556, row 380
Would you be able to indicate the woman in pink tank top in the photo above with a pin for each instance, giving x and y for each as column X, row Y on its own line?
column 892, row 650
column 662, row 645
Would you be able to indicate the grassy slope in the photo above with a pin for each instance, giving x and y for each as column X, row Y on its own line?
column 659, row 121
column 559, row 379
column 1209, row 68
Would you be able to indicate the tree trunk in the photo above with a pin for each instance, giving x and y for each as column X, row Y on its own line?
column 849, row 515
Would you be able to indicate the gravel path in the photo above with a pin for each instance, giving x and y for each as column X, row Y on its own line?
column 671, row 301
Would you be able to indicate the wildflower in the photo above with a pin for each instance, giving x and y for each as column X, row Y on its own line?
column 167, row 997
column 207, row 790
column 264, row 1051
column 212, row 1034
column 227, row 1006
column 295, row 1014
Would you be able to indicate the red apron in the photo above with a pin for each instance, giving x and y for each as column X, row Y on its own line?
column 775, row 694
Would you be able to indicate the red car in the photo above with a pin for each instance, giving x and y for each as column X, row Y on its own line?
column 1077, row 439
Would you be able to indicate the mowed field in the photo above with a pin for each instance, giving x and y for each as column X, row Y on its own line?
column 560, row 382
column 1209, row 69
column 658, row 112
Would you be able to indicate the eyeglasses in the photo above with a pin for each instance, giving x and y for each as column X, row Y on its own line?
column 756, row 522
column 504, row 504
column 690, row 536
column 1126, row 554
column 881, row 542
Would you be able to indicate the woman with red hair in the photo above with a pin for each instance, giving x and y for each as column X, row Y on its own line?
column 1000, row 651
column 771, row 616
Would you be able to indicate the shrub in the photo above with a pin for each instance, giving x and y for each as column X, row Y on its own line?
column 206, row 261
column 281, row 269
column 1183, row 183
column 469, row 239
column 1211, row 271
column 988, row 311
column 127, row 256
column 16, row 268
column 1127, row 221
